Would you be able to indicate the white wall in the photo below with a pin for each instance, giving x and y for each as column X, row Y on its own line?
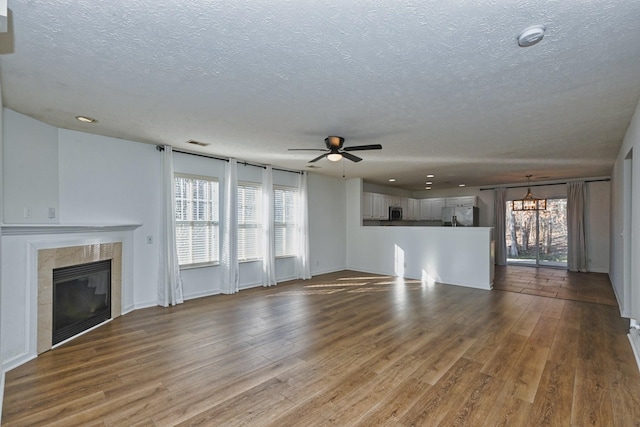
column 327, row 225
column 113, row 181
column 625, row 222
column 597, row 218
column 30, row 172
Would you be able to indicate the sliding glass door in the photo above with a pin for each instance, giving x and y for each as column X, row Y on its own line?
column 537, row 238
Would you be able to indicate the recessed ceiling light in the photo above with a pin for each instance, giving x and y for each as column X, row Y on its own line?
column 531, row 35
column 201, row 144
column 430, row 175
column 428, row 182
column 85, row 119
column 392, row 180
column 427, row 188
column 461, row 185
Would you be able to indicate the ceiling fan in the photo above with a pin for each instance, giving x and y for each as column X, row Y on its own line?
column 335, row 151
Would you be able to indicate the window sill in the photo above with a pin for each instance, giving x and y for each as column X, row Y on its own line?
column 203, row 265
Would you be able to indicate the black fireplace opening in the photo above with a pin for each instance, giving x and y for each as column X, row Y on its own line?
column 81, row 298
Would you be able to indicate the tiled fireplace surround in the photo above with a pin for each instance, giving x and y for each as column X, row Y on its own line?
column 49, row 259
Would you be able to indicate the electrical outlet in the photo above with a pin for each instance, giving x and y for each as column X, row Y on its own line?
column 149, row 240
column 27, row 212
column 52, row 212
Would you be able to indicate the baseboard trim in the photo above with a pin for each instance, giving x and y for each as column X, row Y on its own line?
column 16, row 361
column 1, row 391
column 634, row 339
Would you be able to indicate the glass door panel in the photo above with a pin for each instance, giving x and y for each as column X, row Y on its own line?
column 538, row 238
column 522, row 236
column 552, row 247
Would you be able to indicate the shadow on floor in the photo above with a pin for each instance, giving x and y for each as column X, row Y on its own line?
column 555, row 283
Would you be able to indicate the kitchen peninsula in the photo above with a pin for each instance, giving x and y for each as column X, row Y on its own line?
column 462, row 256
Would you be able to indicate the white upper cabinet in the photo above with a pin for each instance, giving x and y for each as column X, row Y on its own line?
column 436, row 208
column 412, row 212
column 431, row 209
column 367, row 205
column 380, row 206
column 462, row 201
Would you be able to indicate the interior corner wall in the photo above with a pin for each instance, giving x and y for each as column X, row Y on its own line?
column 327, row 225
column 625, row 209
column 30, row 170
column 113, row 181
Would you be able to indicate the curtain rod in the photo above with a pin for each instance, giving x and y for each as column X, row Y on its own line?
column 544, row 185
column 224, row 159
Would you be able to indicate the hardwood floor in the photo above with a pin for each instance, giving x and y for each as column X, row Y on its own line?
column 347, row 349
column 555, row 283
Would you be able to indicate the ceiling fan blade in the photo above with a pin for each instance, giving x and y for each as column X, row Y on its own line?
column 363, row 147
column 307, row 149
column 319, row 157
column 351, row 157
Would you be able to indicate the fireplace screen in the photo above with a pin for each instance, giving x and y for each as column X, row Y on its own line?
column 81, row 298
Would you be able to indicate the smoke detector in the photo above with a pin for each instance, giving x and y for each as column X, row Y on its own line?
column 531, row 35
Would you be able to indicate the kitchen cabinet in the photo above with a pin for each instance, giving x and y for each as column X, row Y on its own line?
column 380, row 206
column 462, row 201
column 367, row 205
column 436, row 209
column 412, row 210
column 431, row 209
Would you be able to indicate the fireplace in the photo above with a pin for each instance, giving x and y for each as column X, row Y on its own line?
column 58, row 259
column 81, row 298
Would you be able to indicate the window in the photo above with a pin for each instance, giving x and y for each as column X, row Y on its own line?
column 284, row 217
column 249, row 221
column 197, row 224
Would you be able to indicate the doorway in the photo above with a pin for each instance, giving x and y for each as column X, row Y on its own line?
column 537, row 238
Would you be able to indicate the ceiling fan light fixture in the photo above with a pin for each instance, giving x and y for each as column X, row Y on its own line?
column 334, row 157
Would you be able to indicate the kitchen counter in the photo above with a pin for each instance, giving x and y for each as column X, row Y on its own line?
column 461, row 256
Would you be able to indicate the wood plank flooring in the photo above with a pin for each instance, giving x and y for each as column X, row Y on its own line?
column 555, row 283
column 343, row 349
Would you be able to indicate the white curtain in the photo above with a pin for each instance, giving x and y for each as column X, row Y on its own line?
column 577, row 250
column 229, row 256
column 268, row 232
column 169, row 282
column 304, row 263
column 499, row 207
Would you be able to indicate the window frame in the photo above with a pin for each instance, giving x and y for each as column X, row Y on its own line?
column 212, row 223
column 253, row 225
column 294, row 225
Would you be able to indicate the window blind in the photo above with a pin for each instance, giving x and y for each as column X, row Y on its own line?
column 249, row 221
column 285, row 226
column 197, row 220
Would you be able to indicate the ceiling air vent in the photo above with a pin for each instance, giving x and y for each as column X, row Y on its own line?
column 201, row 144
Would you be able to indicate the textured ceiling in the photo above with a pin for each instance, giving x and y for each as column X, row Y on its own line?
column 441, row 84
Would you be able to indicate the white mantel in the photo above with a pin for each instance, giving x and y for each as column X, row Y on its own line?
column 24, row 229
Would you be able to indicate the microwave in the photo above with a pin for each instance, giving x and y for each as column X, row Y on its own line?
column 395, row 212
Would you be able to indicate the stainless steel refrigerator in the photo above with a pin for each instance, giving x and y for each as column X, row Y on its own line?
column 465, row 217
